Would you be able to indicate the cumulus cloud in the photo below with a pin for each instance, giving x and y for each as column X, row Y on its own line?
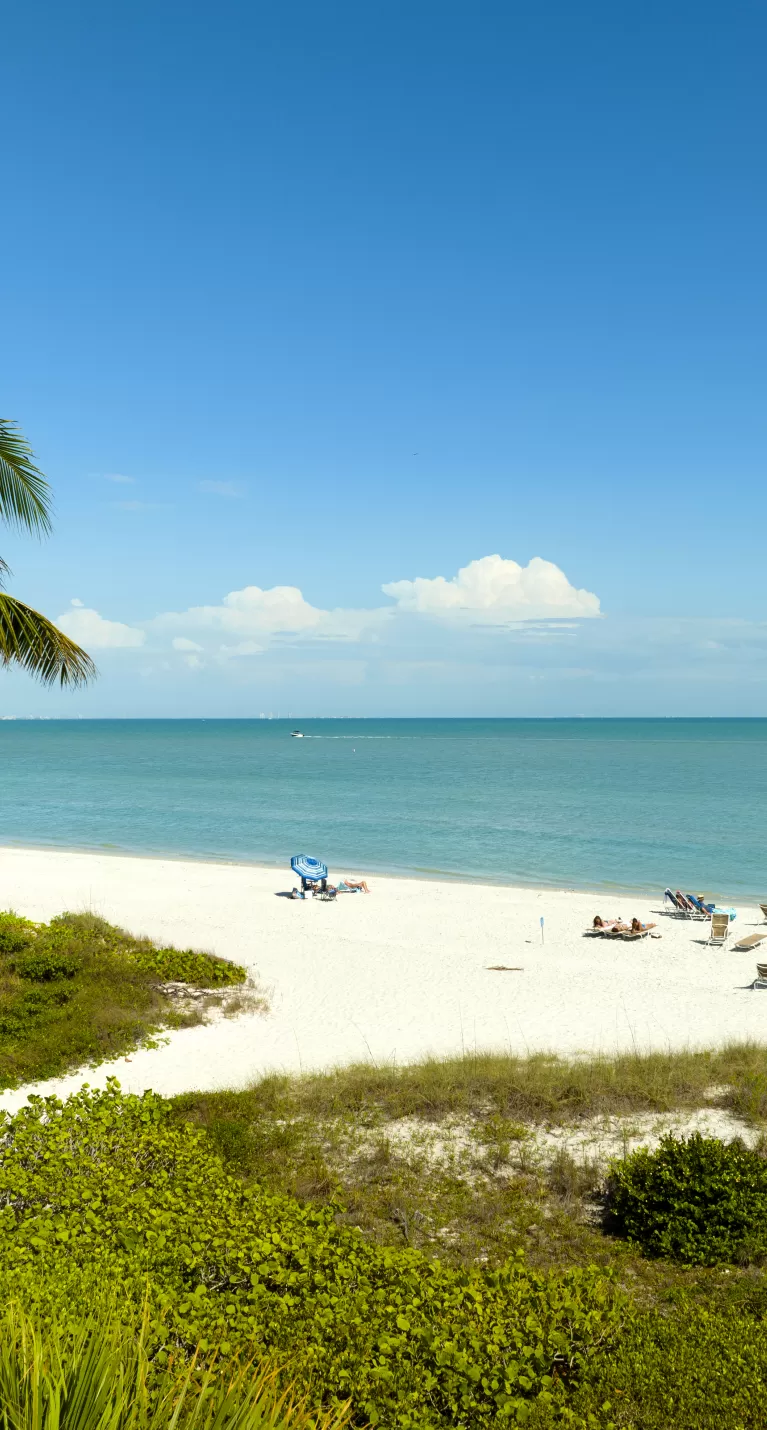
column 94, row 632
column 497, row 591
column 119, row 479
column 280, row 612
column 183, row 643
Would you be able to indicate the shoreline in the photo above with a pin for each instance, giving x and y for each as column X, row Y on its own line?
column 378, row 871
column 417, row 968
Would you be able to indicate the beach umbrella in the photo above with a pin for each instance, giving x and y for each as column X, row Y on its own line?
column 308, row 868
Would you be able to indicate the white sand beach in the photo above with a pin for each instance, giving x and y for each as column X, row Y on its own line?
column 400, row 973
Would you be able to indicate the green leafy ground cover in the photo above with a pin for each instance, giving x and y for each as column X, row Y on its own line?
column 77, row 990
column 479, row 1196
column 113, row 1190
column 447, row 1279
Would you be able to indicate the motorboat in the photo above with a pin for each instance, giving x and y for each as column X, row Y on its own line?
column 297, row 734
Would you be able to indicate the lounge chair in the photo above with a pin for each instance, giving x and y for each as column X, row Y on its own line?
column 682, row 907
column 720, row 929
column 751, row 940
column 763, row 908
column 761, row 969
column 705, row 910
column 677, row 910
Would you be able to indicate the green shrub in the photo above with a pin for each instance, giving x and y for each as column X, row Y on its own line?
column 15, row 933
column 109, row 996
column 113, row 1190
column 47, row 966
column 177, row 965
column 695, row 1200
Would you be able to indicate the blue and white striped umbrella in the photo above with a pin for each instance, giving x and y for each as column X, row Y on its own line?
column 308, row 868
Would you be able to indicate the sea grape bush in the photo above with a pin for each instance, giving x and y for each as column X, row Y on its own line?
column 110, row 1189
column 696, row 1200
column 187, row 966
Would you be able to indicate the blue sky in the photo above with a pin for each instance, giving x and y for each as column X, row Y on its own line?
column 351, row 295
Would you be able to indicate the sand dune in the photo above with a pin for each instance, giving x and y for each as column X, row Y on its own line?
column 398, row 974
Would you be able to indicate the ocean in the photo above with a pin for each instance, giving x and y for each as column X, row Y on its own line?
column 630, row 804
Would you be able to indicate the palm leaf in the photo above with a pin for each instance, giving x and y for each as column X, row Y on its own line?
column 33, row 642
column 25, row 497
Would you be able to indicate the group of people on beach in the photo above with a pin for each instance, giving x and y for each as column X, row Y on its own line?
column 615, row 925
column 323, row 890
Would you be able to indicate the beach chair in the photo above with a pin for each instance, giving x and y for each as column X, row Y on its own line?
column 763, row 908
column 720, row 929
column 761, row 969
column 677, row 910
column 691, row 910
column 705, row 910
column 751, row 940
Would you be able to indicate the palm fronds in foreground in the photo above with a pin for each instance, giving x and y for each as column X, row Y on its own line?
column 32, row 641
column 25, row 497
column 102, row 1377
column 28, row 639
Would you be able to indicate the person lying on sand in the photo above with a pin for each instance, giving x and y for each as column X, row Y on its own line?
column 351, row 885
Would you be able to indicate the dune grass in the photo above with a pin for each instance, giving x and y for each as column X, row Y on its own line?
column 78, row 990
column 538, row 1089
column 442, row 1155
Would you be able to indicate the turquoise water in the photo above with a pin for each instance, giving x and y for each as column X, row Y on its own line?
column 589, row 803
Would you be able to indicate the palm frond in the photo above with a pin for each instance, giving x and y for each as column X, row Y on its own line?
column 25, row 497
column 31, row 641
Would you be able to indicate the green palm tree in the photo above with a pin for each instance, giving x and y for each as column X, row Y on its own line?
column 27, row 638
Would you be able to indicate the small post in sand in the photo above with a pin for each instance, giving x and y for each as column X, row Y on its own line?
column 542, row 938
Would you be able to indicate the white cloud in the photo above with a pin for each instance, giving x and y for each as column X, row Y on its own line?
column 497, row 590
column 119, row 479
column 181, row 643
column 76, row 602
column 194, row 662
column 280, row 612
column 220, row 489
column 93, row 632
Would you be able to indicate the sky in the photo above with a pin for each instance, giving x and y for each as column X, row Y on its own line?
column 402, row 358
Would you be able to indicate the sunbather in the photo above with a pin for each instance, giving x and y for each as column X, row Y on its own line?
column 609, row 925
column 350, row 885
column 637, row 927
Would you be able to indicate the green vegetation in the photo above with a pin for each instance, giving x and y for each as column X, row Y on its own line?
column 27, row 638
column 109, row 1190
column 435, row 1268
column 105, row 1375
column 696, row 1200
column 76, row 991
column 541, row 1088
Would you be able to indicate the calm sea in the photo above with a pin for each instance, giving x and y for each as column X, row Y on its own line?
column 589, row 803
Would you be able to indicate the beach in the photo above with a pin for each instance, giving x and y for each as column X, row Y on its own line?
column 400, row 974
